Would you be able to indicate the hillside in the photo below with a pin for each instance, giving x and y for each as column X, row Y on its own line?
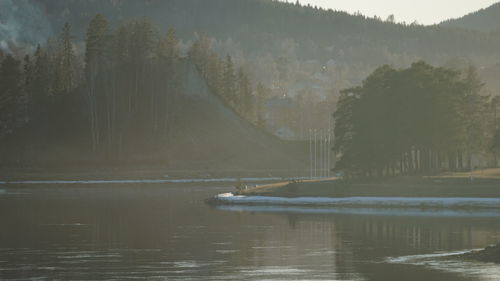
column 212, row 135
column 306, row 53
column 298, row 52
column 273, row 40
column 485, row 20
column 258, row 26
column 208, row 136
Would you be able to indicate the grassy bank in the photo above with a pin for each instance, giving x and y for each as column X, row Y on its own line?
column 481, row 183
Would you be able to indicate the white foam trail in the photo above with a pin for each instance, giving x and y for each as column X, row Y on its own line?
column 420, row 202
column 416, row 258
column 401, row 212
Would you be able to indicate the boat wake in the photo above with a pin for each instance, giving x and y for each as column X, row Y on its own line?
column 408, row 202
column 447, row 261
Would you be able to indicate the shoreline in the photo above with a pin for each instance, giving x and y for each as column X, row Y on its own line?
column 335, row 188
column 146, row 173
column 458, row 190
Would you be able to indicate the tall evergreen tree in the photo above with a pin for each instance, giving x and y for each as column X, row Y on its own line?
column 259, row 105
column 67, row 60
column 229, row 92
column 95, row 50
column 245, row 102
column 11, row 85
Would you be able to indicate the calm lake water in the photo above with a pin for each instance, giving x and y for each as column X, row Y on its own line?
column 166, row 232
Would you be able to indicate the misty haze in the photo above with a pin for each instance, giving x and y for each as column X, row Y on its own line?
column 249, row 140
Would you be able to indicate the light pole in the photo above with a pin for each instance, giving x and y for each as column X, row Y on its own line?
column 310, row 155
column 329, row 151
column 321, row 153
column 315, row 155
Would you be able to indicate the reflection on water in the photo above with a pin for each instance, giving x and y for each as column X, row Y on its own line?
column 103, row 232
column 405, row 212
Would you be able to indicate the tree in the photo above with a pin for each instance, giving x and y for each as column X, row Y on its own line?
column 10, row 94
column 410, row 120
column 95, row 49
column 229, row 83
column 245, row 102
column 259, row 105
column 67, row 61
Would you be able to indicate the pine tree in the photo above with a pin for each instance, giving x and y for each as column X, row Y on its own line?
column 259, row 105
column 229, row 83
column 10, row 94
column 245, row 102
column 67, row 61
column 96, row 46
column 29, row 79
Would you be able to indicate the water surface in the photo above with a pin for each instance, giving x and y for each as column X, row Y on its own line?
column 165, row 232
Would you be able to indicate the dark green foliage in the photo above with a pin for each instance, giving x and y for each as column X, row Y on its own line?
column 125, row 96
column 259, row 105
column 260, row 26
column 131, row 84
column 11, row 87
column 245, row 98
column 229, row 83
column 411, row 120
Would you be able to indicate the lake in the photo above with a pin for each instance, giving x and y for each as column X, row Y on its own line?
column 166, row 232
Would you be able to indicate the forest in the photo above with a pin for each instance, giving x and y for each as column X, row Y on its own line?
column 421, row 119
column 113, row 83
column 303, row 55
column 123, row 93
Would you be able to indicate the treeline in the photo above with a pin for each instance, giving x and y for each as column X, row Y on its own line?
column 484, row 20
column 261, row 25
column 416, row 120
column 123, row 92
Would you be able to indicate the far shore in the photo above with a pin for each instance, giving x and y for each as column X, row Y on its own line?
column 137, row 172
column 479, row 184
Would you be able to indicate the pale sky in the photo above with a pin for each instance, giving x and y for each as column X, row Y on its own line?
column 424, row 11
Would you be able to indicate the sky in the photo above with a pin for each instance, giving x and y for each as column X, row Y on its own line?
column 423, row 11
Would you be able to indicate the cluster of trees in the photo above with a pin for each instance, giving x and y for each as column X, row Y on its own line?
column 38, row 91
column 122, row 88
column 261, row 25
column 284, row 45
column 413, row 120
column 131, row 84
column 122, row 91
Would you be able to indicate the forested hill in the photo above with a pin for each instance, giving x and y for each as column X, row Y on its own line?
column 132, row 98
column 264, row 25
column 486, row 20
